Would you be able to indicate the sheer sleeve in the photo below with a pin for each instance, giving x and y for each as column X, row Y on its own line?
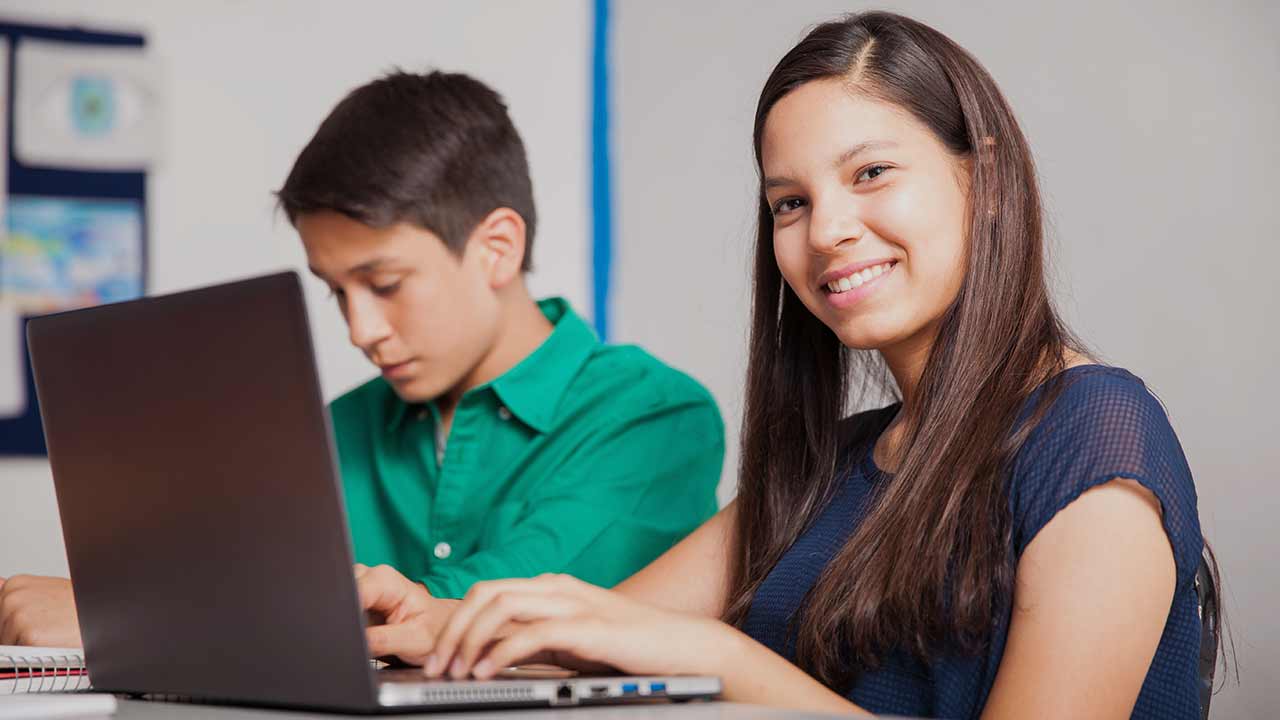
column 1105, row 424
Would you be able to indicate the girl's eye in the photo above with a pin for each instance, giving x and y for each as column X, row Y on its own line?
column 786, row 205
column 871, row 173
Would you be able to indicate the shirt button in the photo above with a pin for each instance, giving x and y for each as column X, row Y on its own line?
column 504, row 413
column 423, row 414
column 443, row 550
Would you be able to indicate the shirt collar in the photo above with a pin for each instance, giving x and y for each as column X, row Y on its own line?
column 532, row 389
column 397, row 410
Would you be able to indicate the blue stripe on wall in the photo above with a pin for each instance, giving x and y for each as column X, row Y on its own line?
column 601, row 173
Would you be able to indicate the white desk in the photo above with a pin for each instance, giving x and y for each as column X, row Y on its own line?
column 147, row 710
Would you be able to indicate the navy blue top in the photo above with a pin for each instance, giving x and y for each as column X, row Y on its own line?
column 1103, row 425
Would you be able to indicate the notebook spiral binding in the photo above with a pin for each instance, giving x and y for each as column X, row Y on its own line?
column 44, row 673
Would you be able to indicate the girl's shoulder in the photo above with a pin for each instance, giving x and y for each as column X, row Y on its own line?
column 1102, row 423
column 1095, row 409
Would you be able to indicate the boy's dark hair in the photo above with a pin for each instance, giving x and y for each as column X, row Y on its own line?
column 436, row 150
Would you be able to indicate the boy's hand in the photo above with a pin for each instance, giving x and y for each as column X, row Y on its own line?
column 38, row 611
column 410, row 617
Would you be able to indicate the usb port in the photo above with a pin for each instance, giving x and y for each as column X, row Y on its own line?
column 630, row 688
column 657, row 687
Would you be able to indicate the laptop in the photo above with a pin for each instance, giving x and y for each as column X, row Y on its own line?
column 203, row 513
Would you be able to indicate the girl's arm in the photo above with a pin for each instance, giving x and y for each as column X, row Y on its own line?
column 693, row 576
column 563, row 620
column 1093, row 591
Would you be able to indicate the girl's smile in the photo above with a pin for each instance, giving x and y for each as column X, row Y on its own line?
column 852, row 283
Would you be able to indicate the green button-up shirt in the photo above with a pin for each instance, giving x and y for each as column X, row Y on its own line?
column 584, row 458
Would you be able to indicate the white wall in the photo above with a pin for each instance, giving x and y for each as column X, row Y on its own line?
column 1153, row 124
column 1154, row 127
column 245, row 86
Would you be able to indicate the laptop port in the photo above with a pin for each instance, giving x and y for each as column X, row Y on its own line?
column 658, row 687
column 630, row 688
column 599, row 690
column 564, row 693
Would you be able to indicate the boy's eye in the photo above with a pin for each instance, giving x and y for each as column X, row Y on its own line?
column 385, row 290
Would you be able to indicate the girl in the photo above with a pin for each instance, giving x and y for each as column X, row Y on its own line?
column 1016, row 537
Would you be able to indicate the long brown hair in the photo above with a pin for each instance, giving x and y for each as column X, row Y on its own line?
column 930, row 564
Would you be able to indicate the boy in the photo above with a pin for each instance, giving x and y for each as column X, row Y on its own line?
column 501, row 439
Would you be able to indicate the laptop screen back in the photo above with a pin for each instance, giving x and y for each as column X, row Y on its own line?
column 200, row 504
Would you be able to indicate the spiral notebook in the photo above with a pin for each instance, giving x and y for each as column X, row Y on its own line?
column 41, row 669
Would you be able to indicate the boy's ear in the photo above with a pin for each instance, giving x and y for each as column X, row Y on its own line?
column 500, row 239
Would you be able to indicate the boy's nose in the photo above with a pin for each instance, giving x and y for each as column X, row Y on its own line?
column 366, row 324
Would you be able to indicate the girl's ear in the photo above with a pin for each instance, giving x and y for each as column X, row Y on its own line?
column 500, row 236
column 987, row 158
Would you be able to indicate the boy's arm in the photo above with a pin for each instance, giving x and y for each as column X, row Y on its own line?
column 36, row 610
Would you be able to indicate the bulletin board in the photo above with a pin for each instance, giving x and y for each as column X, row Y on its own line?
column 79, row 108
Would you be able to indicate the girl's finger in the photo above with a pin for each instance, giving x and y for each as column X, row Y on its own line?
column 479, row 596
column 569, row 636
column 503, row 609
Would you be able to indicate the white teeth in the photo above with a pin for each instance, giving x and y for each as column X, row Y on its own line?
column 845, row 284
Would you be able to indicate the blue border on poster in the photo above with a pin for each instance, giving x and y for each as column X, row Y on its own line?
column 24, row 435
column 601, row 173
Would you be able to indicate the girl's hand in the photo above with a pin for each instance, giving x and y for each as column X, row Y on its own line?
column 560, row 619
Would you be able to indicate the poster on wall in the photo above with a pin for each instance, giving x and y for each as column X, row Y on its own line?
column 66, row 253
column 81, row 127
column 84, row 106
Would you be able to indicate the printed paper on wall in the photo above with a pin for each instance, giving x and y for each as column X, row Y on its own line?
column 85, row 107
column 66, row 253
